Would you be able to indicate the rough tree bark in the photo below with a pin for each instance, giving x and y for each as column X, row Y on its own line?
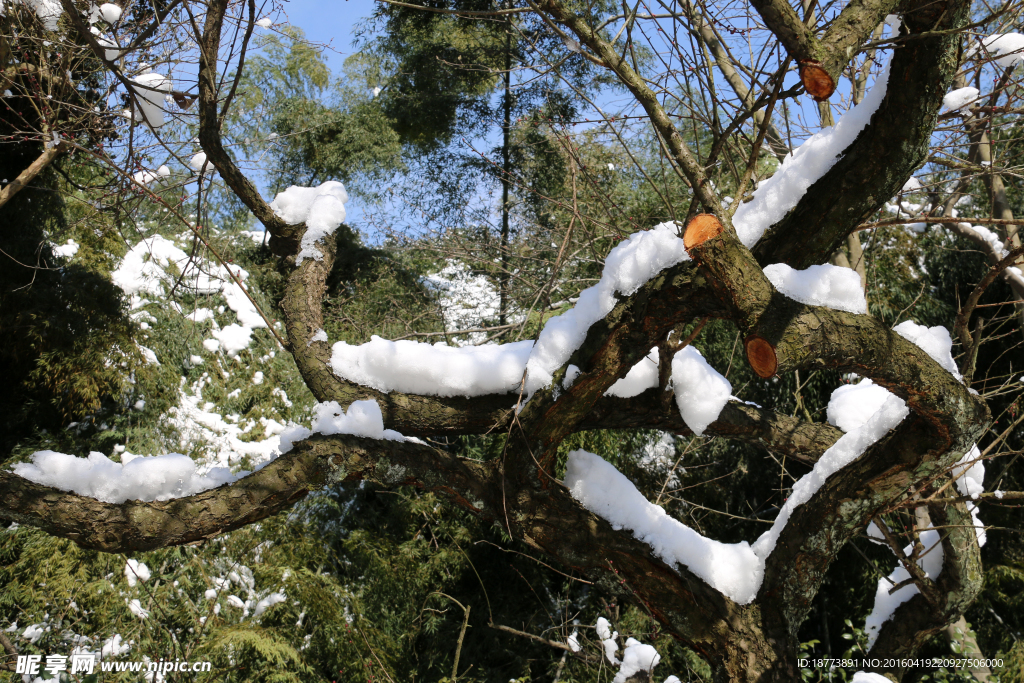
column 753, row 642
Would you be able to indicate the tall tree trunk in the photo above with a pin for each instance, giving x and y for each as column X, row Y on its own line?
column 506, row 169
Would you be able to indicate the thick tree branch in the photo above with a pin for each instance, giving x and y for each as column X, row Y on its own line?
column 893, row 144
column 959, row 583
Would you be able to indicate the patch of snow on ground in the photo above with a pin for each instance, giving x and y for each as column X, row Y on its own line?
column 467, row 300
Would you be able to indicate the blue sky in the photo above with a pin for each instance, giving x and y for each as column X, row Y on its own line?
column 330, row 23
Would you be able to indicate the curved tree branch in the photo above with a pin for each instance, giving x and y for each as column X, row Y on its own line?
column 893, row 144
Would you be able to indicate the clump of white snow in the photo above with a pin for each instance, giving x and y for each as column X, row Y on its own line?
column 885, row 603
column 736, row 569
column 136, row 571
column 66, row 250
column 820, row 285
column 267, row 602
column 701, row 392
column 960, row 98
column 970, row 481
column 868, row 677
column 438, row 370
column 363, row 418
column 852, row 405
column 935, row 341
column 233, row 338
column 848, row 448
column 109, row 12
column 640, row 378
column 321, row 208
column 144, row 478
column 153, row 87
column 631, row 264
column 636, row 657
column 1007, row 47
column 198, row 161
column 265, row 22
column 156, row 264
column 732, row 569
column 48, row 11
column 607, row 637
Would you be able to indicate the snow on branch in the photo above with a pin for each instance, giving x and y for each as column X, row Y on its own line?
column 775, row 196
column 321, row 208
column 439, row 370
column 734, row 569
column 170, row 476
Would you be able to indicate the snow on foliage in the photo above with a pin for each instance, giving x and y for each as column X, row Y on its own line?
column 821, row 285
column 935, row 341
column 804, row 166
column 701, row 392
column 636, row 657
column 135, row 572
column 66, row 250
column 321, row 208
column 467, row 301
column 155, row 264
column 734, row 569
